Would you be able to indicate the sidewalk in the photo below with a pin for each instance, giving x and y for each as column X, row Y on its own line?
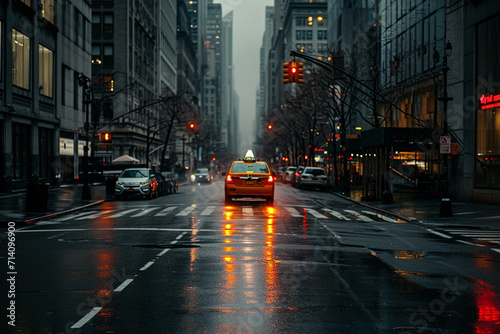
column 424, row 209
column 64, row 199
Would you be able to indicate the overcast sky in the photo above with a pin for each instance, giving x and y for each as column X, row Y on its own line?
column 248, row 29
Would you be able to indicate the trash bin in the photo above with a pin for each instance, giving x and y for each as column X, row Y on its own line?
column 37, row 197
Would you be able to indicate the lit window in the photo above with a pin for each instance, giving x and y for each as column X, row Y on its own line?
column 45, row 71
column 20, row 60
column 48, row 10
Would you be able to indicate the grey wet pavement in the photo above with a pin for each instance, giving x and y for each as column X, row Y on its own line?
column 418, row 208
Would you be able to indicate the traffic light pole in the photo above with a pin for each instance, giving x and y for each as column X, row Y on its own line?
column 87, row 95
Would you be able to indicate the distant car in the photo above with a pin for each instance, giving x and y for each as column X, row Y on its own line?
column 279, row 174
column 249, row 178
column 314, row 177
column 161, row 184
column 171, row 182
column 287, row 175
column 201, row 175
column 296, row 175
column 136, row 182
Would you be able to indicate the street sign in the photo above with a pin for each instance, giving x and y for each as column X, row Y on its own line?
column 445, row 145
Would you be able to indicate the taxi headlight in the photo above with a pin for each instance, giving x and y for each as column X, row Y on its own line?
column 193, row 177
column 145, row 183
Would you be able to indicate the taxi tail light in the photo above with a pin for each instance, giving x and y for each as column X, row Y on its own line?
column 229, row 179
column 270, row 179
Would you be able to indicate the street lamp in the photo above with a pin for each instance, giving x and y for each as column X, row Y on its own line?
column 445, row 209
column 87, row 99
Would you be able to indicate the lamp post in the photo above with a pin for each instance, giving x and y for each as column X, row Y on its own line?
column 87, row 99
column 445, row 209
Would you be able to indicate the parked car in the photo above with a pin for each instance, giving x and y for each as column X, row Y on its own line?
column 287, row 175
column 201, row 175
column 161, row 184
column 314, row 177
column 296, row 175
column 136, row 182
column 171, row 182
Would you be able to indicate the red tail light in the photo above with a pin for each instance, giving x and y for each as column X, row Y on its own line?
column 229, row 179
column 270, row 179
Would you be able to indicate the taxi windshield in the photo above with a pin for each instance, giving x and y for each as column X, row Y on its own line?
column 257, row 167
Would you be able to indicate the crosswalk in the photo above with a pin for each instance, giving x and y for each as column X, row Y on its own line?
column 479, row 237
column 350, row 215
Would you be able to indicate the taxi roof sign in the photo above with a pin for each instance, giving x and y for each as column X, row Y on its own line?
column 249, row 156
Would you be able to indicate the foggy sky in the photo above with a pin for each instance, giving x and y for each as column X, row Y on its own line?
column 248, row 29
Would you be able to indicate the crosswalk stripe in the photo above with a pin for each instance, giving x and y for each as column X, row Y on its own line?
column 123, row 213
column 208, row 211
column 77, row 215
column 378, row 215
column 336, row 214
column 145, row 212
column 166, row 211
column 293, row 212
column 186, row 211
column 95, row 215
column 247, row 210
column 358, row 215
column 316, row 214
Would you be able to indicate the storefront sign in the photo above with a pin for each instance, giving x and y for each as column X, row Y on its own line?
column 66, row 146
column 488, row 102
column 445, row 145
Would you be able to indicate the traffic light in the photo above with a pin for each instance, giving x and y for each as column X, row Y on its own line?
column 286, row 73
column 105, row 137
column 191, row 126
column 300, row 73
column 294, row 72
column 269, row 126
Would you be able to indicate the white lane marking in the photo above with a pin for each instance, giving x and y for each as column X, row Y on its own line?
column 247, row 210
column 496, row 250
column 336, row 214
column 482, row 218
column 122, row 286
column 145, row 212
column 208, row 211
column 77, row 215
column 180, row 236
column 166, row 211
column 470, row 243
column 95, row 215
column 439, row 234
column 163, row 252
column 359, row 216
column 316, row 214
column 123, row 213
column 293, row 212
column 186, row 211
column 55, row 236
column 380, row 216
column 87, row 317
column 147, row 265
column 335, row 235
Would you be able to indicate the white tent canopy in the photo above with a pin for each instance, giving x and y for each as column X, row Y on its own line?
column 126, row 159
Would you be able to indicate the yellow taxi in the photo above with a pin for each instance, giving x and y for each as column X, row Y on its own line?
column 249, row 178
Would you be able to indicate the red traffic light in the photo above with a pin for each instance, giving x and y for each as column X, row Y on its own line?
column 105, row 137
column 270, row 126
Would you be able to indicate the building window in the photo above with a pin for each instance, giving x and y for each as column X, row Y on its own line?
column 21, row 150
column 96, row 25
column 45, row 71
column 96, row 54
column 48, row 10
column 20, row 60
column 108, row 23
column 108, row 55
column 301, row 21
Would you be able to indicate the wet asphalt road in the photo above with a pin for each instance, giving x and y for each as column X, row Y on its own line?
column 184, row 263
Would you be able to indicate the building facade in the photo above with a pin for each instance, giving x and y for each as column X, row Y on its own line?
column 47, row 46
